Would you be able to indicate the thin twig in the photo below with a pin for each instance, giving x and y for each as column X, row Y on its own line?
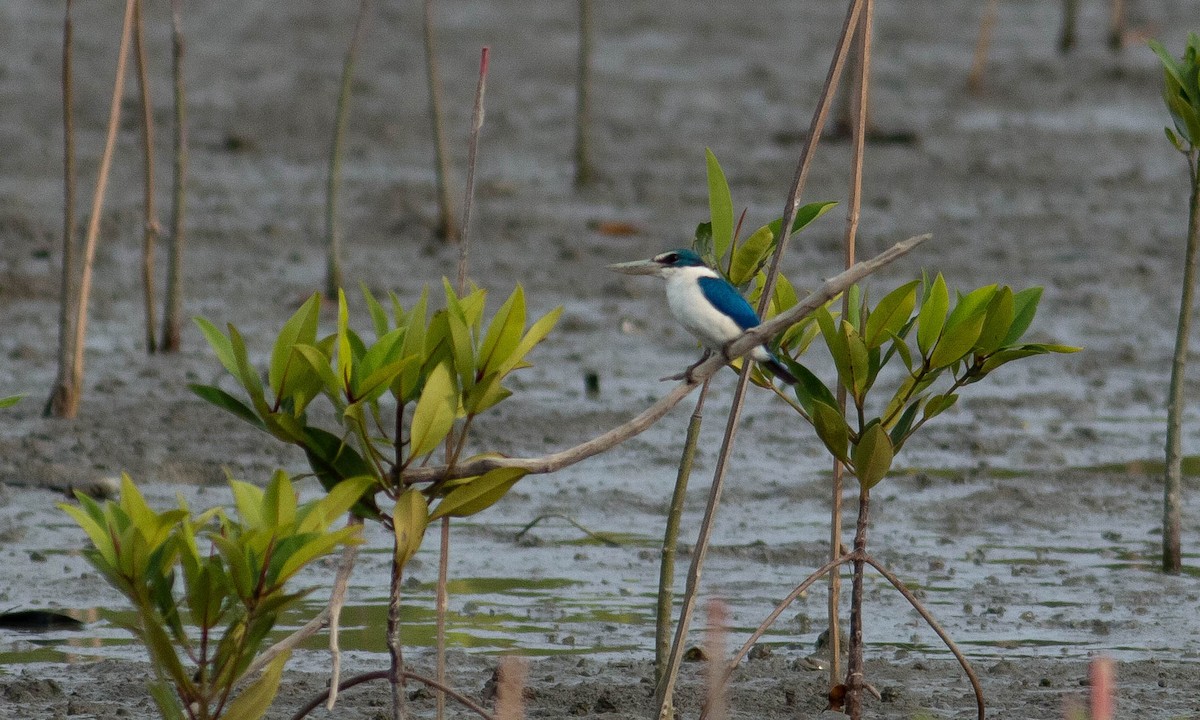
column 443, row 607
column 150, row 226
column 747, row 341
column 333, row 183
column 93, row 229
column 783, row 604
column 854, row 673
column 598, row 537
column 666, row 572
column 472, row 153
column 336, row 600
column 441, row 155
column 941, row 633
column 395, row 642
column 384, row 675
column 716, row 703
column 61, row 395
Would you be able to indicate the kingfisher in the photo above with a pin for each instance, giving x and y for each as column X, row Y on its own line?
column 706, row 304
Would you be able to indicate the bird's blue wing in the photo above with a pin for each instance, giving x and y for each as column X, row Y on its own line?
column 728, row 300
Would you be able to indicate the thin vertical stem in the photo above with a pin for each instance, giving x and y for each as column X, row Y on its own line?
column 583, row 97
column 716, row 704
column 854, row 674
column 395, row 643
column 333, row 185
column 93, row 228
column 1173, row 482
column 441, row 159
column 858, row 127
column 150, row 226
column 173, row 316
column 443, row 607
column 472, row 155
column 666, row 572
column 510, row 692
column 63, row 394
column 1116, row 25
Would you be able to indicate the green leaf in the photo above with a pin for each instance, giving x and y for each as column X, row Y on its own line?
column 890, row 314
column 460, row 339
column 804, row 216
column 435, row 412
column 249, row 502
column 10, row 401
column 504, row 333
column 227, row 402
column 345, row 349
column 1025, row 305
column 720, row 206
column 835, row 341
column 750, row 256
column 903, row 425
column 997, row 323
column 831, row 428
column 166, row 700
column 963, row 327
column 379, row 318
column 873, row 456
column 219, row 343
column 410, row 517
column 478, row 494
column 537, row 332
column 407, row 384
column 254, row 701
column 809, row 389
column 340, row 498
column 301, row 327
column 939, row 404
column 860, row 376
column 247, row 374
column 1007, row 355
column 322, row 366
column 932, row 316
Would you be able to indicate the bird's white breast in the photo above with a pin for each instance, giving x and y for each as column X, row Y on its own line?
column 689, row 306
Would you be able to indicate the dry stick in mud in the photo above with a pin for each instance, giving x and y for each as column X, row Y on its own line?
column 385, row 675
column 62, row 391
column 636, row 425
column 64, row 398
column 789, row 213
column 333, row 183
column 441, row 156
column 150, row 226
column 172, row 328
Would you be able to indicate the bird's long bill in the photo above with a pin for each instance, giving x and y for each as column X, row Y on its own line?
column 637, row 267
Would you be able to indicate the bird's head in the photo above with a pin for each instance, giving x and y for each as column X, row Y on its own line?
column 661, row 264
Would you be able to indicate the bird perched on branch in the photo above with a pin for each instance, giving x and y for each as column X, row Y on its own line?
column 706, row 304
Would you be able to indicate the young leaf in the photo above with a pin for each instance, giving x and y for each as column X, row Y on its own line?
column 804, row 216
column 435, row 412
column 227, row 402
column 890, row 314
column 478, row 494
column 537, row 332
column 997, row 323
column 932, row 316
column 720, row 206
column 345, row 350
column 504, row 333
column 301, row 327
column 220, row 345
column 253, row 702
column 379, row 318
column 409, row 520
column 750, row 255
column 1025, row 305
column 831, row 428
column 873, row 456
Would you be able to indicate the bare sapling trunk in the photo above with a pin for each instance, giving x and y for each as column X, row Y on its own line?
column 583, row 97
column 150, row 226
column 64, row 398
column 173, row 314
column 1173, row 481
column 446, row 227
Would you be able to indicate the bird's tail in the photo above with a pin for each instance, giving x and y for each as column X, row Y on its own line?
column 778, row 369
